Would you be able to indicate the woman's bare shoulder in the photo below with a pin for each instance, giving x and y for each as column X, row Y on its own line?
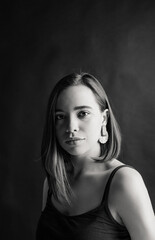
column 45, row 184
column 131, row 200
column 45, row 192
column 128, row 180
column 126, row 176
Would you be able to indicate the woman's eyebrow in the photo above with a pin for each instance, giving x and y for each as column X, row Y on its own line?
column 81, row 107
column 75, row 108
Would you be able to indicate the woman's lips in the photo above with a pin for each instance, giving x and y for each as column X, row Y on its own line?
column 74, row 141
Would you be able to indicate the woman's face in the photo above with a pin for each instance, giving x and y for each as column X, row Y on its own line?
column 78, row 121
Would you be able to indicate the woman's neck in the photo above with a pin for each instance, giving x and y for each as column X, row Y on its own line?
column 85, row 166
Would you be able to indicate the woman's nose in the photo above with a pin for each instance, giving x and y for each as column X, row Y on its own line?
column 72, row 125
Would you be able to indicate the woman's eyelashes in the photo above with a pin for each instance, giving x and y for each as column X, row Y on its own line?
column 59, row 116
column 81, row 115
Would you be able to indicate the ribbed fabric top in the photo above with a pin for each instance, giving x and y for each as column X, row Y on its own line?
column 96, row 224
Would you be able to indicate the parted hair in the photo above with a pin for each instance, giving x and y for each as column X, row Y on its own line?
column 56, row 161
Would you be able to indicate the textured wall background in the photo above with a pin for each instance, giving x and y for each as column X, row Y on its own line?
column 41, row 41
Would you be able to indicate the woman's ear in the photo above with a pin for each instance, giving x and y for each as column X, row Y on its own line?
column 105, row 117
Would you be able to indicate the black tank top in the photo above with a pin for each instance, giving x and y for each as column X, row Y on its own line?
column 96, row 224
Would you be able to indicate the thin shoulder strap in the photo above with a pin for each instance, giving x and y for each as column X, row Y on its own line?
column 107, row 187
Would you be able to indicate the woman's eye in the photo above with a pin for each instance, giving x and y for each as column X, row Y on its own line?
column 83, row 114
column 59, row 117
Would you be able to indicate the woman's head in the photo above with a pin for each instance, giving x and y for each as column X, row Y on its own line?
column 78, row 122
column 78, row 108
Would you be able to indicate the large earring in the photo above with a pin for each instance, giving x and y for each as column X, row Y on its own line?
column 104, row 135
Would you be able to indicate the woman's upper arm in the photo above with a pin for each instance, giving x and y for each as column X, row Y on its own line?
column 134, row 205
column 45, row 192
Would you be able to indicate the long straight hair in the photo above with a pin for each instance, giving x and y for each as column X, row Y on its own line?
column 55, row 160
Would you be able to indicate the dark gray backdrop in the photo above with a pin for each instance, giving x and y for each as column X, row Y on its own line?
column 41, row 41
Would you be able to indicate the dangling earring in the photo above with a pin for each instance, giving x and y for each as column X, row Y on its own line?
column 104, row 135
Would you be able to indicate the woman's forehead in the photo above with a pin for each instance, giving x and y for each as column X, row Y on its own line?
column 76, row 96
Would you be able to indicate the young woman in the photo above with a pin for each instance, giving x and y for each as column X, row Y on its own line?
column 89, row 194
